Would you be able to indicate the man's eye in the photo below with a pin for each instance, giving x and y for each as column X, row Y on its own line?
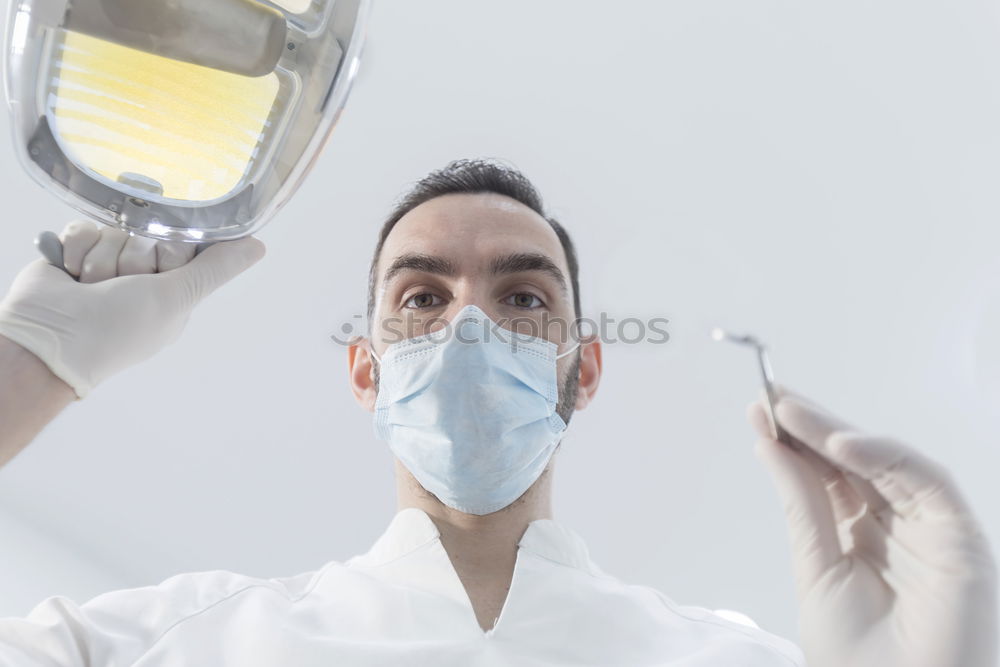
column 425, row 300
column 524, row 300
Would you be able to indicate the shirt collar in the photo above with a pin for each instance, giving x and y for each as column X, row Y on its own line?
column 411, row 528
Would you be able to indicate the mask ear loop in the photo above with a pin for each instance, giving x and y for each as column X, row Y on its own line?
column 576, row 345
column 371, row 351
column 569, row 351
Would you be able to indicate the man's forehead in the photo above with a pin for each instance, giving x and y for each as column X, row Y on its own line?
column 470, row 229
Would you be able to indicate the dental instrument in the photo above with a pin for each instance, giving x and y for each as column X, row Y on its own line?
column 780, row 434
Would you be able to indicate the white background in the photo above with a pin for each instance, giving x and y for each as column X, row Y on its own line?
column 824, row 175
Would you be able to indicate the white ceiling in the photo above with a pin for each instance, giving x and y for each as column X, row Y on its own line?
column 824, row 175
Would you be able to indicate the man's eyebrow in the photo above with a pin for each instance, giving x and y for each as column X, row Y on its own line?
column 528, row 261
column 419, row 262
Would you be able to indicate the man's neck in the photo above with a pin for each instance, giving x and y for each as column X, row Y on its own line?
column 482, row 549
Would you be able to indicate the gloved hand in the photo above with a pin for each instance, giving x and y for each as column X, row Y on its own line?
column 133, row 297
column 891, row 567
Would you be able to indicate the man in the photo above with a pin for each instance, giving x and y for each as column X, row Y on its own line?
column 472, row 388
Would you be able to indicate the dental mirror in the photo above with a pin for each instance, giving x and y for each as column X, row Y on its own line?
column 767, row 376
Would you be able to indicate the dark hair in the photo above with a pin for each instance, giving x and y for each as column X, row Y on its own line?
column 473, row 177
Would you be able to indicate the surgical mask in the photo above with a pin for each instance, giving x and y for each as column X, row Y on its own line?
column 187, row 120
column 470, row 410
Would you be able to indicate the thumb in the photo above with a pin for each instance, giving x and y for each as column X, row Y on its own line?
column 40, row 271
column 215, row 266
column 812, row 526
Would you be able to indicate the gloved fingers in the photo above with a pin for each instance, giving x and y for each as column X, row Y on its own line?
column 758, row 414
column 906, row 553
column 902, row 476
column 912, row 483
column 137, row 256
column 101, row 263
column 847, row 501
column 215, row 266
column 172, row 254
column 783, row 391
column 813, row 433
column 864, row 489
column 761, row 421
column 809, row 514
column 78, row 237
column 765, row 427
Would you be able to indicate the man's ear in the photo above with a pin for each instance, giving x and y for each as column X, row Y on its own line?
column 359, row 370
column 590, row 371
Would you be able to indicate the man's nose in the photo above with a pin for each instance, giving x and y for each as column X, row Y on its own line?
column 458, row 307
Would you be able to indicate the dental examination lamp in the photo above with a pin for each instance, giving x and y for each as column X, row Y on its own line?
column 179, row 120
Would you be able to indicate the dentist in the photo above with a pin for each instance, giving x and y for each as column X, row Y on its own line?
column 472, row 392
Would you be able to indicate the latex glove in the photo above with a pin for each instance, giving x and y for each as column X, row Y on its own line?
column 891, row 567
column 133, row 298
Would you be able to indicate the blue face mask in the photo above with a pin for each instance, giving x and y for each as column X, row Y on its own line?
column 470, row 410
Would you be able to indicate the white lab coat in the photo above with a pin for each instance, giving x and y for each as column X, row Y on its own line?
column 401, row 603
